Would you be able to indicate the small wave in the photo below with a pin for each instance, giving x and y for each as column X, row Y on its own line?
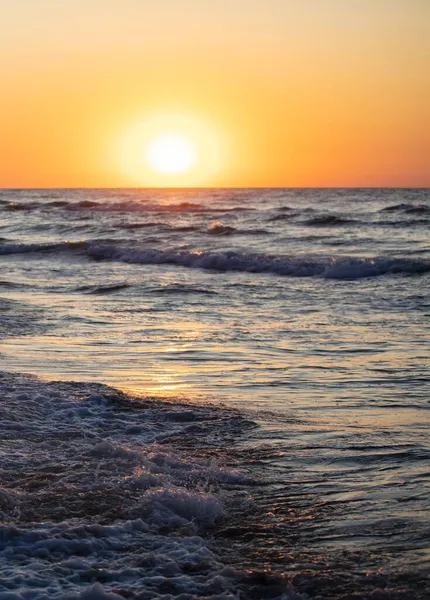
column 11, row 285
column 418, row 209
column 15, row 206
column 22, row 248
column 323, row 220
column 234, row 209
column 126, row 206
column 281, row 217
column 394, row 207
column 418, row 222
column 407, row 208
column 102, row 289
column 254, row 232
column 130, row 206
column 85, row 204
column 326, row 267
column 184, row 228
column 160, row 225
column 133, row 226
column 287, row 213
column 400, row 224
column 179, row 289
column 57, row 203
column 25, row 206
column 219, row 228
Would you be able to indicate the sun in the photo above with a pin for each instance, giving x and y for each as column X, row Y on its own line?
column 171, row 154
column 170, row 150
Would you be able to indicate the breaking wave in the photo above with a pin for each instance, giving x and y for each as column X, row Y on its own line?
column 110, row 497
column 95, row 505
column 219, row 228
column 328, row 267
column 301, row 266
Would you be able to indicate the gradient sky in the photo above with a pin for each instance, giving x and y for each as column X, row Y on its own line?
column 291, row 92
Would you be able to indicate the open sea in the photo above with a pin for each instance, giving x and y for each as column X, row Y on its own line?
column 215, row 394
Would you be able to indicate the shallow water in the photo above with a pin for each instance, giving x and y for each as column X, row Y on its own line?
column 305, row 310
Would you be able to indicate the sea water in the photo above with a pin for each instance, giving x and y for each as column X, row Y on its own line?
column 232, row 393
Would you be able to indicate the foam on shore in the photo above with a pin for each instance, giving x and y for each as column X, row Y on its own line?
column 95, row 505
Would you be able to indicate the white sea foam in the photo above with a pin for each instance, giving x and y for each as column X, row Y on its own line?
column 93, row 507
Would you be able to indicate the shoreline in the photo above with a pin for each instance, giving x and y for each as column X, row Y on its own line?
column 103, row 494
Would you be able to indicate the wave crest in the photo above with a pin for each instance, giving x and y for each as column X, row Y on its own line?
column 296, row 266
column 407, row 208
column 22, row 248
column 322, row 220
column 328, row 267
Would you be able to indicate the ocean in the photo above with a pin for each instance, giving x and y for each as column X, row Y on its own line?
column 215, row 393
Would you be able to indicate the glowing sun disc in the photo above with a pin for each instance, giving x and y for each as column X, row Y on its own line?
column 170, row 150
column 171, row 154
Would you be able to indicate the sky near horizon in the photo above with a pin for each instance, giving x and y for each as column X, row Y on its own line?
column 270, row 92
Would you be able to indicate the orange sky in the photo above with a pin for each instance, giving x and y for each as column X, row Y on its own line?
column 275, row 92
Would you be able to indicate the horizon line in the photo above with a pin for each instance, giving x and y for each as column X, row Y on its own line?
column 214, row 187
